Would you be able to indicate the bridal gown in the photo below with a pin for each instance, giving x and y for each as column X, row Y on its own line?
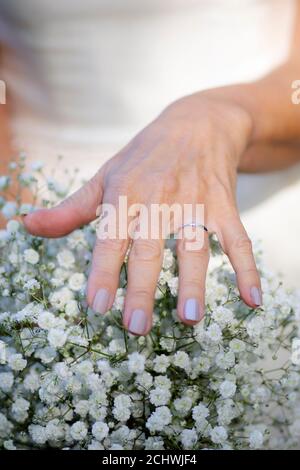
column 85, row 76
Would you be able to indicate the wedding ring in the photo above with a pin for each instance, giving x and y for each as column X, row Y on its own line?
column 194, row 225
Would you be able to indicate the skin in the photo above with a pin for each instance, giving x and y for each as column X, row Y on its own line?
column 191, row 153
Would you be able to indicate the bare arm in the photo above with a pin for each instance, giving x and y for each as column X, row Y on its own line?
column 275, row 141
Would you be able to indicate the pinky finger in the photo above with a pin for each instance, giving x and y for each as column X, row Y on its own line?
column 238, row 247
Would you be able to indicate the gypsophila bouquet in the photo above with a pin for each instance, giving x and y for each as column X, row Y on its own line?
column 73, row 379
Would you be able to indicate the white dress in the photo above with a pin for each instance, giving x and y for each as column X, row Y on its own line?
column 85, row 76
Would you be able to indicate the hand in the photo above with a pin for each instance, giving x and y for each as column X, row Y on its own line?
column 189, row 154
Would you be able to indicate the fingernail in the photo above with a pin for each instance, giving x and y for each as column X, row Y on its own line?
column 256, row 297
column 191, row 310
column 100, row 304
column 138, row 322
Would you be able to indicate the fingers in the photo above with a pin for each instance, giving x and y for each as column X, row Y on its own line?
column 103, row 280
column 109, row 252
column 79, row 209
column 143, row 270
column 237, row 245
column 193, row 257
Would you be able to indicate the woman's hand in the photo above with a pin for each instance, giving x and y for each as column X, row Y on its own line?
column 189, row 154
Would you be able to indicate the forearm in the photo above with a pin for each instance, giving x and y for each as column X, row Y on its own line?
column 264, row 157
column 274, row 141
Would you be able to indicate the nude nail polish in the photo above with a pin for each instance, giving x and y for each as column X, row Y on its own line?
column 256, row 296
column 138, row 322
column 191, row 310
column 100, row 304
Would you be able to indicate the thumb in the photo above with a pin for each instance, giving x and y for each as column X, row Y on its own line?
column 78, row 209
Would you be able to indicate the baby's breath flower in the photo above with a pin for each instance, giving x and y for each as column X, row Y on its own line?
column 70, row 378
column 78, row 431
column 31, row 256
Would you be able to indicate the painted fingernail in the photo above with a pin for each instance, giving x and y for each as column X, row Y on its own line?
column 138, row 322
column 256, row 296
column 100, row 304
column 191, row 310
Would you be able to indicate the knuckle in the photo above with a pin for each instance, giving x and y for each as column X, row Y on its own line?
column 146, row 250
column 109, row 245
column 200, row 252
column 252, row 271
column 142, row 293
column 242, row 244
column 117, row 184
column 104, row 275
column 169, row 183
column 193, row 283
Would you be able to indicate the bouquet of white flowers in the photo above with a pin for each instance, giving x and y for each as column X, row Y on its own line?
column 73, row 379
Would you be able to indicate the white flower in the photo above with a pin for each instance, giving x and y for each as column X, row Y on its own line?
column 183, row 405
column 227, row 389
column 154, row 443
column 160, row 396
column 84, row 368
column 145, row 380
column 168, row 259
column 200, row 412
column 256, row 439
column 46, row 320
column 189, row 438
column 119, row 300
column 214, row 333
column 82, row 408
column 136, row 363
column 76, row 239
column 46, row 354
column 182, row 360
column 9, row 209
column 260, row 394
column 184, row 388
column 222, row 315
column 237, row 346
column 95, row 445
column 173, row 285
column 12, row 226
column 161, row 363
column 162, row 381
column 218, row 435
column 31, row 256
column 100, row 430
column 121, row 414
column 78, row 431
column 60, row 298
column 122, row 401
column 16, row 362
column 71, row 308
column 20, row 409
column 160, row 418
column 255, row 327
column 6, row 381
column 32, row 285
column 31, row 382
column 76, row 281
column 66, row 259
column 9, row 445
column 225, row 360
column 38, row 433
column 57, row 337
